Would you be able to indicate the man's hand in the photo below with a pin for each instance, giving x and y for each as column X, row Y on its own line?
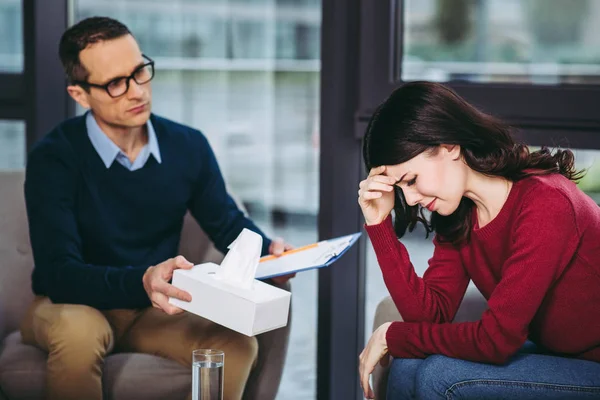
column 375, row 351
column 277, row 247
column 156, row 282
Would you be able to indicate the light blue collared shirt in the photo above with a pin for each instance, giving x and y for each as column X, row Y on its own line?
column 109, row 151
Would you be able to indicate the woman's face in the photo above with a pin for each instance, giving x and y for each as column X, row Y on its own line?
column 434, row 179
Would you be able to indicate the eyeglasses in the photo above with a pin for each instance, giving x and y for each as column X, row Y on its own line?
column 119, row 86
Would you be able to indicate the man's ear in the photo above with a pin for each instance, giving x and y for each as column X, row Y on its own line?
column 79, row 95
column 453, row 150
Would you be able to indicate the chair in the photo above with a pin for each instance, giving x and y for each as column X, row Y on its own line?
column 126, row 375
column 471, row 309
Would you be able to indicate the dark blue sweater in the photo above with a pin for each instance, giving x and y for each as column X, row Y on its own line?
column 95, row 231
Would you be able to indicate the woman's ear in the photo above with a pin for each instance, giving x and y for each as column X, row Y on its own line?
column 452, row 151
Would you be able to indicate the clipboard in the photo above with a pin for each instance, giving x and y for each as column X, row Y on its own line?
column 317, row 255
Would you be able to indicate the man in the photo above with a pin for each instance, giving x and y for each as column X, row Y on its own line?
column 106, row 195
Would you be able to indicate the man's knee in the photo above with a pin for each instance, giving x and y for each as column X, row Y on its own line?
column 200, row 333
column 79, row 338
column 248, row 347
column 79, row 329
column 239, row 348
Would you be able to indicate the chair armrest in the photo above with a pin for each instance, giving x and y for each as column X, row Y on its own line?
column 3, row 332
column 386, row 312
column 472, row 307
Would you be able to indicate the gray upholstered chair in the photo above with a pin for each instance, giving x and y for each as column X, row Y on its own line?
column 128, row 375
column 471, row 308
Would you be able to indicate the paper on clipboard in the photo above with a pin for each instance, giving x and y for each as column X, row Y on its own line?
column 322, row 254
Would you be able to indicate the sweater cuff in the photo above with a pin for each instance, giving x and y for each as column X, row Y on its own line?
column 265, row 246
column 135, row 287
column 383, row 236
column 396, row 338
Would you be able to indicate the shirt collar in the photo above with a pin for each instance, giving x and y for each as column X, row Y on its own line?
column 107, row 149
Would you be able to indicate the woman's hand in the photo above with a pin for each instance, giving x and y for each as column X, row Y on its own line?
column 376, row 196
column 375, row 351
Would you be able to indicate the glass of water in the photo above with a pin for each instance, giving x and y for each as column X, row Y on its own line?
column 207, row 374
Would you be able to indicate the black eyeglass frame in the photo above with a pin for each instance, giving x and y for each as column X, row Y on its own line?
column 105, row 86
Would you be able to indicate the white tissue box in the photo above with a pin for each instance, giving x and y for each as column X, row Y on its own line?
column 248, row 311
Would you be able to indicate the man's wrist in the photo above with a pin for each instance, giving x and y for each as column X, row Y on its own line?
column 146, row 274
column 267, row 243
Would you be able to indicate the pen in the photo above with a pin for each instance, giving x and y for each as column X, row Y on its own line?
column 287, row 253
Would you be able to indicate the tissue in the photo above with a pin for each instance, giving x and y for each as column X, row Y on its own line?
column 239, row 266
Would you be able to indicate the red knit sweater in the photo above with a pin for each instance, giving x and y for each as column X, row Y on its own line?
column 537, row 263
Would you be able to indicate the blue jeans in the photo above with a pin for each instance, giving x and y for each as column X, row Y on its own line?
column 529, row 375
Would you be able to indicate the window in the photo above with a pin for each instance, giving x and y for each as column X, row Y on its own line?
column 590, row 161
column 12, row 145
column 246, row 73
column 518, row 41
column 11, row 36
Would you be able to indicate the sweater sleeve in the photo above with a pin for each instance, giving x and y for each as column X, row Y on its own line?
column 214, row 209
column 433, row 298
column 50, row 191
column 545, row 239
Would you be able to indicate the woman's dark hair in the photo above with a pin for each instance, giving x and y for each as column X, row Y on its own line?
column 81, row 35
column 420, row 116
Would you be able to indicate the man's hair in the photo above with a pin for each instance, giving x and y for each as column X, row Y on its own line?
column 81, row 35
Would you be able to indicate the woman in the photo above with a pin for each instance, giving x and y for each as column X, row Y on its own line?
column 513, row 222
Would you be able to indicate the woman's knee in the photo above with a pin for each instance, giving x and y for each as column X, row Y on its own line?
column 434, row 377
column 401, row 378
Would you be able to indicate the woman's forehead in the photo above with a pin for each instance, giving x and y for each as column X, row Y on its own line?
column 413, row 165
column 397, row 170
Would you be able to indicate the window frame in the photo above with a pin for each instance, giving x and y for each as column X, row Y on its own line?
column 12, row 98
column 37, row 95
column 561, row 115
column 46, row 101
column 341, row 292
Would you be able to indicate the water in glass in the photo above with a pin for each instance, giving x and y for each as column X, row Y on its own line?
column 207, row 380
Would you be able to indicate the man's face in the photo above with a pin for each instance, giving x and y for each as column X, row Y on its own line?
column 104, row 62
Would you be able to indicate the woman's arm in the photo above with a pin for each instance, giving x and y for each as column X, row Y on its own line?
column 434, row 298
column 543, row 246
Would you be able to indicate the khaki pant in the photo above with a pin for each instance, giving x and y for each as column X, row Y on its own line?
column 78, row 337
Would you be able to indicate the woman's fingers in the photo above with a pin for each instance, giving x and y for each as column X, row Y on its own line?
column 374, row 190
column 375, row 182
column 371, row 195
column 382, row 187
column 388, row 180
column 377, row 170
